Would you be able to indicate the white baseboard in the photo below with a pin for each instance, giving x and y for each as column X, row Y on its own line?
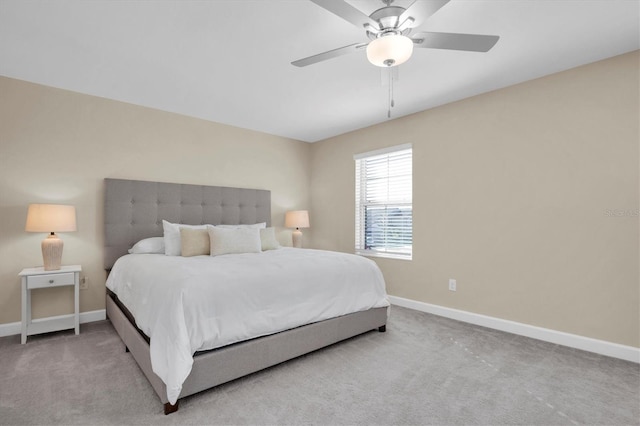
column 602, row 347
column 16, row 327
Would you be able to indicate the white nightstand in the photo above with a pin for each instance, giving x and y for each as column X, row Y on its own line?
column 33, row 278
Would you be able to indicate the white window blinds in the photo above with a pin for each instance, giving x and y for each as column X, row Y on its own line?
column 384, row 211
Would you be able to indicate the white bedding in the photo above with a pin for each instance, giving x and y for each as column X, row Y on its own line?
column 187, row 304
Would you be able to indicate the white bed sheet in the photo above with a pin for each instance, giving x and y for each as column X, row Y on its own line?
column 187, row 304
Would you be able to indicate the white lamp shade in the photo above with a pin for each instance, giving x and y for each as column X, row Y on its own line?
column 297, row 219
column 51, row 218
column 389, row 50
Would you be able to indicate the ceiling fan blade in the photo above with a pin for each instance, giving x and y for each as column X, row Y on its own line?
column 454, row 41
column 347, row 12
column 328, row 55
column 420, row 10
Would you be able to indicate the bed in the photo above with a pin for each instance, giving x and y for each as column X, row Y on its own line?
column 135, row 210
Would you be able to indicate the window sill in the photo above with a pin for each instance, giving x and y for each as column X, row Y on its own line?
column 368, row 253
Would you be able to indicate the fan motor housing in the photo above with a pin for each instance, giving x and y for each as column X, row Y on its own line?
column 388, row 19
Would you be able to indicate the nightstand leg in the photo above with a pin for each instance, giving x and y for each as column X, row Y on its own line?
column 25, row 303
column 76, row 298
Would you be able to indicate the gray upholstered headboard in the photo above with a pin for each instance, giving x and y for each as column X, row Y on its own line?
column 135, row 209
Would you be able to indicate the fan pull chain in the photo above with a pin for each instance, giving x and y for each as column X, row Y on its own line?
column 391, row 102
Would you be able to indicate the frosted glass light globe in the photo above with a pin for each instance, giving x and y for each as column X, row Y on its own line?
column 390, row 50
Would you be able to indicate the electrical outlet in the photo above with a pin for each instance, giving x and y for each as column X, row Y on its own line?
column 452, row 284
column 84, row 283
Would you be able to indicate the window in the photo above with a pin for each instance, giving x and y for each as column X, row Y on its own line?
column 384, row 211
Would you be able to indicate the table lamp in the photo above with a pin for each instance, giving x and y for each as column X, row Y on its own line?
column 51, row 218
column 297, row 219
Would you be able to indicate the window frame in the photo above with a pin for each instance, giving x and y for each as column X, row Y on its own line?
column 362, row 204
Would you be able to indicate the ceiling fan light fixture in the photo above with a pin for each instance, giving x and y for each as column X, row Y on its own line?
column 389, row 50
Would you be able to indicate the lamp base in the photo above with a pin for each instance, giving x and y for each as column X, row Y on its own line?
column 297, row 238
column 52, row 252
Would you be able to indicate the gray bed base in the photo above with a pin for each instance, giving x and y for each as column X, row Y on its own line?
column 222, row 365
column 135, row 210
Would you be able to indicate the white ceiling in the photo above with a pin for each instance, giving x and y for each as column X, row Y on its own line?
column 229, row 61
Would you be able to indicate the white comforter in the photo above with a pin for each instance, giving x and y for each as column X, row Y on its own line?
column 187, row 304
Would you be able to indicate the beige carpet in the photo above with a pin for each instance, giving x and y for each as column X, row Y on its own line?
column 423, row 370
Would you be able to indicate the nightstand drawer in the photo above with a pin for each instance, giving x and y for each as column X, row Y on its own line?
column 50, row 280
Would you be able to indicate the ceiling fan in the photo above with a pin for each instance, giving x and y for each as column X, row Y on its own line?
column 389, row 27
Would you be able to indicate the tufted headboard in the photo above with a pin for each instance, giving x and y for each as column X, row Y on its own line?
column 134, row 210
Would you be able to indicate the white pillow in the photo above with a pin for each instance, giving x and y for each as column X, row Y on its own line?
column 238, row 240
column 172, row 242
column 261, row 225
column 148, row 246
column 268, row 239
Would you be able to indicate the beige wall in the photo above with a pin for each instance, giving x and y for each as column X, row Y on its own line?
column 516, row 192
column 516, row 195
column 57, row 146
